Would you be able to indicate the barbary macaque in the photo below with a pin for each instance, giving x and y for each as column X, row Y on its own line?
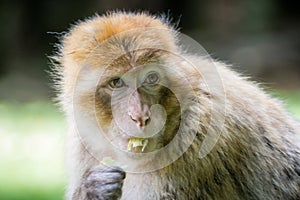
column 172, row 124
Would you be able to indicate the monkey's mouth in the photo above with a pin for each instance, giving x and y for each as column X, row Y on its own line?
column 137, row 144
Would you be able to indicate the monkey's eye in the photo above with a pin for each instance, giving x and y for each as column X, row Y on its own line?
column 116, row 83
column 152, row 78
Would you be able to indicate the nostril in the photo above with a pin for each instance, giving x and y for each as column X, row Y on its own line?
column 147, row 121
column 137, row 120
column 140, row 121
column 133, row 119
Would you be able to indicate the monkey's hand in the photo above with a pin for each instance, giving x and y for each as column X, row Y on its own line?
column 103, row 183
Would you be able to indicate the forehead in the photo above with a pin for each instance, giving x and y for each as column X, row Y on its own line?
column 134, row 62
column 126, row 49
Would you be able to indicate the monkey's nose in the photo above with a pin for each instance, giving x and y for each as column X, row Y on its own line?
column 141, row 120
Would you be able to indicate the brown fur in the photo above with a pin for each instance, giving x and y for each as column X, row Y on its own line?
column 256, row 157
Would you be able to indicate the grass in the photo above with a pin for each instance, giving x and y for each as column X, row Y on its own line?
column 31, row 148
column 31, row 151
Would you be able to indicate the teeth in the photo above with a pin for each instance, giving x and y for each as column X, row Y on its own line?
column 137, row 142
column 144, row 144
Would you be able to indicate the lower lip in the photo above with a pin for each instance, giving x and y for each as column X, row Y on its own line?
column 136, row 149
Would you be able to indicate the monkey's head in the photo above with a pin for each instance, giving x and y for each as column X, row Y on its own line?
column 121, row 73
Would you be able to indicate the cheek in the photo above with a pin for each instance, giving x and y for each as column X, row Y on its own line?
column 103, row 109
column 170, row 102
column 108, row 111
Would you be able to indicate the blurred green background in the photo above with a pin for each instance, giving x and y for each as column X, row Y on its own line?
column 260, row 38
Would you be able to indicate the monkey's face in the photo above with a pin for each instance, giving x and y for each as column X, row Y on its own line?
column 125, row 86
column 142, row 88
column 137, row 103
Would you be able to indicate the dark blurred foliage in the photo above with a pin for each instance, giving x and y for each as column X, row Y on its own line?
column 260, row 37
